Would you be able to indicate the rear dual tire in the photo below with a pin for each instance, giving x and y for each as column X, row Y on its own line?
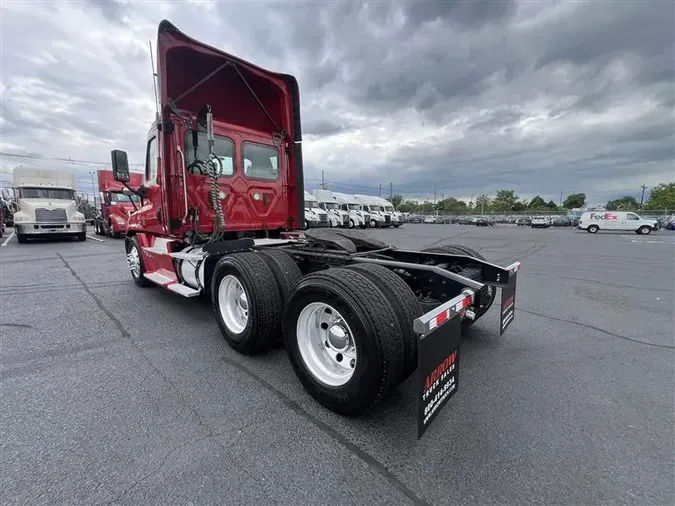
column 343, row 339
column 347, row 331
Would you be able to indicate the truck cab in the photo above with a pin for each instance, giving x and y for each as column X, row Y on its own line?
column 388, row 208
column 338, row 217
column 349, row 204
column 116, row 204
column 314, row 215
column 45, row 205
column 378, row 216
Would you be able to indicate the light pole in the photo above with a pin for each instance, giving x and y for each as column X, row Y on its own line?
column 93, row 188
column 642, row 198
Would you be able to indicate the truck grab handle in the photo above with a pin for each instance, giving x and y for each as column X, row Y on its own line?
column 184, row 176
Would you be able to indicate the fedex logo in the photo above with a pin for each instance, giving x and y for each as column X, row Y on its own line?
column 604, row 216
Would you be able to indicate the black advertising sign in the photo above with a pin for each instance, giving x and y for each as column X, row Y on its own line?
column 508, row 304
column 438, row 356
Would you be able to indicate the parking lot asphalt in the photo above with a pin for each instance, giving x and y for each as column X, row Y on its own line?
column 116, row 394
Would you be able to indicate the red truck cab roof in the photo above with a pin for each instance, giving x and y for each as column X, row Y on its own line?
column 106, row 182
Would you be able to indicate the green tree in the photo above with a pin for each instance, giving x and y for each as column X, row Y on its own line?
column 518, row 206
column 452, row 205
column 551, row 205
column 427, row 207
column 482, row 203
column 396, row 200
column 408, row 206
column 662, row 196
column 504, row 200
column 537, row 203
column 626, row 203
column 575, row 200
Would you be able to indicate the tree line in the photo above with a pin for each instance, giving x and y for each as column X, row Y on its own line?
column 661, row 197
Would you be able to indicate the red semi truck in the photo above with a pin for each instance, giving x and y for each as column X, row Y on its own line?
column 222, row 202
column 116, row 204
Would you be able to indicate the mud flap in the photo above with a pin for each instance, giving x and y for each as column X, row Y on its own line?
column 508, row 311
column 438, row 359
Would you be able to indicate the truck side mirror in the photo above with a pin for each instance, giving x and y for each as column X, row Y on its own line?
column 120, row 165
column 127, row 192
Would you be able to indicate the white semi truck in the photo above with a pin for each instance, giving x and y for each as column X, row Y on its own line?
column 388, row 207
column 337, row 216
column 378, row 217
column 314, row 215
column 357, row 216
column 45, row 205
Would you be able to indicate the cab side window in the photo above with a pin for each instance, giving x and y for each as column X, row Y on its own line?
column 631, row 216
column 260, row 161
column 151, row 161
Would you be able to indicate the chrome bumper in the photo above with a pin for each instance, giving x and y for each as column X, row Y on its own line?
column 67, row 228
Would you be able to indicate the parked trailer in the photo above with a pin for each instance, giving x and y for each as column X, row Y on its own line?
column 357, row 317
column 45, row 205
column 116, row 204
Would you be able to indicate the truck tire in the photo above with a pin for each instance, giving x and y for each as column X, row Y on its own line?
column 351, row 223
column 593, row 229
column 488, row 293
column 406, row 306
column 21, row 238
column 246, row 302
column 82, row 236
column 644, row 230
column 287, row 274
column 135, row 263
column 365, row 355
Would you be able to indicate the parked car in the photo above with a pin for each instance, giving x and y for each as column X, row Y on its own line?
column 523, row 222
column 540, row 222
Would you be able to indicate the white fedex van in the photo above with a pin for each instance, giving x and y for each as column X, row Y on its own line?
column 615, row 220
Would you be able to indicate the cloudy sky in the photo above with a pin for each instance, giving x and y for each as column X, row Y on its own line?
column 465, row 97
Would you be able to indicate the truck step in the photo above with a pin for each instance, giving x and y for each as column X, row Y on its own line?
column 171, row 284
column 183, row 290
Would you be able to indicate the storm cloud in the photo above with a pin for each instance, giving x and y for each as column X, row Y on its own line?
column 461, row 98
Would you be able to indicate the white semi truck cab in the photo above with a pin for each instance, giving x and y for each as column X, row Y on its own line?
column 349, row 204
column 45, row 205
column 388, row 207
column 314, row 215
column 337, row 216
column 378, row 217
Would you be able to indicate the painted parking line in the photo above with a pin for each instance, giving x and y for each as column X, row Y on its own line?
column 9, row 238
column 95, row 239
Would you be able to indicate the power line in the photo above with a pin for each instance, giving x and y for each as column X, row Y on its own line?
column 63, row 160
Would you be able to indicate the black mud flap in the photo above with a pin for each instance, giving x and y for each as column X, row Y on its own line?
column 438, row 366
column 508, row 313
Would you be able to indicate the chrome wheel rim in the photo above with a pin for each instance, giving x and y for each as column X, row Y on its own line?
column 134, row 262
column 326, row 344
column 233, row 304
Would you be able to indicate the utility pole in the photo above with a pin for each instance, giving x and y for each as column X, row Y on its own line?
column 379, row 193
column 642, row 198
column 560, row 205
column 323, row 182
column 391, row 192
column 434, row 196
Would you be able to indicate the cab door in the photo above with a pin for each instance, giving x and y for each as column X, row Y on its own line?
column 151, row 217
